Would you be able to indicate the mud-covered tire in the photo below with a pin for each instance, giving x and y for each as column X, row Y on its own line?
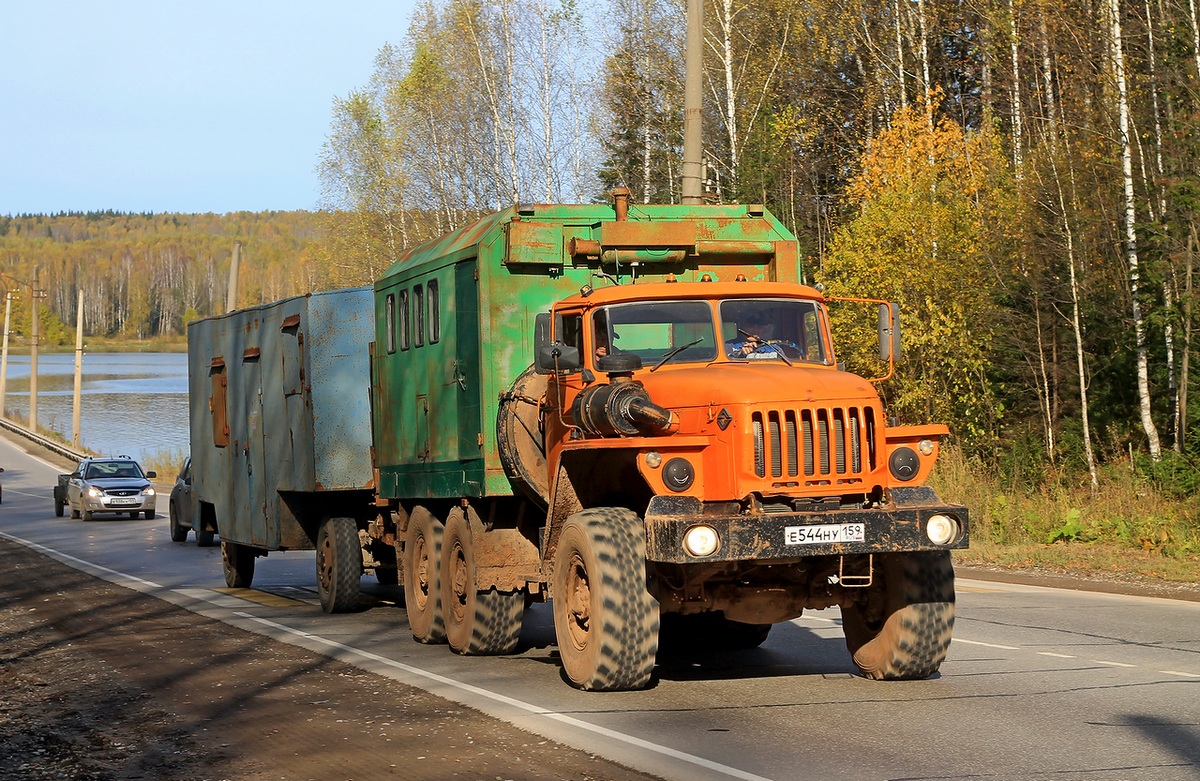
column 605, row 619
column 422, row 555
column 339, row 565
column 478, row 622
column 901, row 628
column 238, row 562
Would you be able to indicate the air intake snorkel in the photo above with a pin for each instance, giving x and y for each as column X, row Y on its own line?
column 621, row 407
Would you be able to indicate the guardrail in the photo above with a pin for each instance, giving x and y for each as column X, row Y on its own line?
column 44, row 442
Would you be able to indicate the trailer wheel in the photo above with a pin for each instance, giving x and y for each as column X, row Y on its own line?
column 422, row 554
column 59, row 508
column 478, row 622
column 900, row 629
column 238, row 561
column 339, row 565
column 605, row 620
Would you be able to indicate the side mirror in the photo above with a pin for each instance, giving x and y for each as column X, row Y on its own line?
column 151, row 475
column 551, row 357
column 889, row 332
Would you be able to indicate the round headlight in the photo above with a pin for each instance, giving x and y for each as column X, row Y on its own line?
column 701, row 541
column 926, row 447
column 904, row 463
column 941, row 529
column 654, row 459
column 678, row 474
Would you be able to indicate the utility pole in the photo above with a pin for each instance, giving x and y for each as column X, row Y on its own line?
column 34, row 292
column 75, row 415
column 234, row 268
column 693, row 148
column 4, row 352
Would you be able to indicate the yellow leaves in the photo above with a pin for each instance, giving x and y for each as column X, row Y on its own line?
column 934, row 206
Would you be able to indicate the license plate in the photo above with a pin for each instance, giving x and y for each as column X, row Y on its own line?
column 124, row 502
column 824, row 534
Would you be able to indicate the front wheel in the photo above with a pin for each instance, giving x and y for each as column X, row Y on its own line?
column 900, row 629
column 605, row 620
column 339, row 565
column 478, row 621
column 238, row 561
column 178, row 533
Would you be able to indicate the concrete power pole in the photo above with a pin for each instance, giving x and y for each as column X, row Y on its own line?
column 234, row 268
column 75, row 415
column 693, row 148
column 34, row 335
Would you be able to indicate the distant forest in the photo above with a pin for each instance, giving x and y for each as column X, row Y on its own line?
column 143, row 276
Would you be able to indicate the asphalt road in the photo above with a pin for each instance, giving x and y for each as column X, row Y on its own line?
column 1039, row 684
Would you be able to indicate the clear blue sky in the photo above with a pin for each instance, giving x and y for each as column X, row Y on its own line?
column 164, row 106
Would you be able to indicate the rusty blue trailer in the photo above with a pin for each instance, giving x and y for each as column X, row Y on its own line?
column 281, row 422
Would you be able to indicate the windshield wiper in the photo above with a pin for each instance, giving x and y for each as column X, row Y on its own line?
column 773, row 344
column 675, row 352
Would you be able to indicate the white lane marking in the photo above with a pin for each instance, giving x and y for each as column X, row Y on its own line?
column 1177, row 672
column 1111, row 664
column 86, row 566
column 985, row 645
column 1056, row 656
column 529, row 708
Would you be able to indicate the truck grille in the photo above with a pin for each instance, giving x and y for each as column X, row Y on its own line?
column 816, row 444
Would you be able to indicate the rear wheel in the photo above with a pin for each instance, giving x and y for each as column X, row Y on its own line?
column 900, row 629
column 239, row 564
column 478, row 621
column 422, row 553
column 339, row 565
column 605, row 619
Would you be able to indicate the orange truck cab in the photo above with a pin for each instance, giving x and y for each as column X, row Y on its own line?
column 767, row 478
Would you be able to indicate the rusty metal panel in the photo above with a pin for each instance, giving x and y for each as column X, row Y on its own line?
column 287, row 434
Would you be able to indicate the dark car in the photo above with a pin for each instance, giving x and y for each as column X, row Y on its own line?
column 182, row 508
column 107, row 485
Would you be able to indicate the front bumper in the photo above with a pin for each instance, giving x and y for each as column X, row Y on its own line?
column 118, row 504
column 778, row 538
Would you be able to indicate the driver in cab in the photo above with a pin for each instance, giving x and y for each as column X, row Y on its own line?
column 756, row 338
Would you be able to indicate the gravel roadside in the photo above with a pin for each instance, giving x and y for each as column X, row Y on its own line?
column 101, row 682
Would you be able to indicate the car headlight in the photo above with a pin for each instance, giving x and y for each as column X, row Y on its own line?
column 148, row 491
column 94, row 492
column 942, row 529
column 701, row 540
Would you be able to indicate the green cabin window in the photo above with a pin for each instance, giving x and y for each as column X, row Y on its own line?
column 390, row 321
column 435, row 318
column 405, row 320
column 419, row 312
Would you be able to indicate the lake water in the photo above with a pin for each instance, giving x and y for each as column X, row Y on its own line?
column 132, row 404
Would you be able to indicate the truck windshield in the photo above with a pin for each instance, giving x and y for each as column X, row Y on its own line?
column 653, row 329
column 772, row 329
